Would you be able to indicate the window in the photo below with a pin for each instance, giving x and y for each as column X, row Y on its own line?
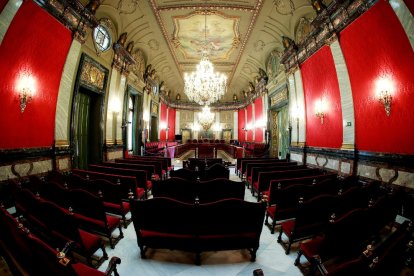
column 102, row 38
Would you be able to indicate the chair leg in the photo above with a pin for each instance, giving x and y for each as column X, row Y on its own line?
column 288, row 247
column 279, row 238
column 121, row 234
column 253, row 255
column 105, row 254
column 272, row 231
column 297, row 260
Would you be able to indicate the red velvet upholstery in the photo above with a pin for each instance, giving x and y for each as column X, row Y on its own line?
column 222, row 225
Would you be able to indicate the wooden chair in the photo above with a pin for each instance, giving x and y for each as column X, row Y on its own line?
column 89, row 210
column 311, row 218
column 216, row 171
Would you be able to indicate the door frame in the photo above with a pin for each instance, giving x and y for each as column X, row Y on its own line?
column 93, row 77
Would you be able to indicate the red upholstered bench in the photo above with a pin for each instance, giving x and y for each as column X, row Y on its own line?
column 222, row 225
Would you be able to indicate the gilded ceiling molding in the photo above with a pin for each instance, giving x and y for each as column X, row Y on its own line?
column 325, row 28
column 256, row 10
column 206, row 6
column 258, row 7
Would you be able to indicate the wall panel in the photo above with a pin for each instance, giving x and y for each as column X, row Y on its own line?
column 31, row 48
column 373, row 51
column 320, row 83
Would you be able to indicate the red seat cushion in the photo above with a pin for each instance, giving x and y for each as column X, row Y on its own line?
column 249, row 179
column 140, row 192
column 113, row 221
column 311, row 248
column 124, row 206
column 256, row 185
column 271, row 210
column 163, row 172
column 149, row 184
column 288, row 226
column 89, row 240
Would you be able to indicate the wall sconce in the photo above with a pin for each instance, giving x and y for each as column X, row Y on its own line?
column 163, row 125
column 384, row 88
column 114, row 105
column 320, row 107
column 26, row 87
column 385, row 98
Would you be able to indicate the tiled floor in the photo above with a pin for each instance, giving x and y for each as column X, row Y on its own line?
column 270, row 257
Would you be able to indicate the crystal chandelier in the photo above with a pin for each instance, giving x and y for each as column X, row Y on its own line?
column 204, row 86
column 206, row 118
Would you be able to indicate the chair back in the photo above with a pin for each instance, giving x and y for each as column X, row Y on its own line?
column 175, row 188
column 216, row 171
column 219, row 188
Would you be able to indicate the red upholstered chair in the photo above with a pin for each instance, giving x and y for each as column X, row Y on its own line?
column 311, row 218
column 112, row 196
column 63, row 227
column 216, row 171
column 56, row 193
column 184, row 173
column 282, row 204
column 175, row 188
column 29, row 255
column 90, row 212
column 339, row 239
column 47, row 260
column 218, row 189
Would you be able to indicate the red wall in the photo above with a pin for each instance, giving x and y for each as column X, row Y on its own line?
column 29, row 45
column 249, row 112
column 163, row 121
column 321, row 82
column 3, row 3
column 171, row 124
column 242, row 124
column 372, row 50
column 258, row 115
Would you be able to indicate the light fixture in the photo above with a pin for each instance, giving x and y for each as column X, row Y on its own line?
column 204, row 86
column 384, row 88
column 385, row 98
column 26, row 86
column 206, row 118
column 320, row 107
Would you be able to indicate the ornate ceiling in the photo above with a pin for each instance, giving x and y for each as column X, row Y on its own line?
column 242, row 36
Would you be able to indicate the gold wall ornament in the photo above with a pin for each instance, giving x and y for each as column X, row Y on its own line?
column 92, row 75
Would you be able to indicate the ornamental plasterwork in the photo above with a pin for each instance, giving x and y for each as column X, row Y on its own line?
column 279, row 97
column 139, row 67
column 222, row 34
column 259, row 45
column 127, row 6
column 284, row 7
column 303, row 29
column 273, row 64
column 92, row 75
column 154, row 44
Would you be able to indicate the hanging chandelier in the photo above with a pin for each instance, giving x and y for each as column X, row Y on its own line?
column 204, row 86
column 206, row 118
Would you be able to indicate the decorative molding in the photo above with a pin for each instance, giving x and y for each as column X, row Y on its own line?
column 61, row 143
column 93, row 75
column 10, row 155
column 327, row 24
column 71, row 13
column 255, row 12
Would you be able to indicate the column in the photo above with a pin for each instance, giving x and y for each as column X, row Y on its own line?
column 347, row 103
